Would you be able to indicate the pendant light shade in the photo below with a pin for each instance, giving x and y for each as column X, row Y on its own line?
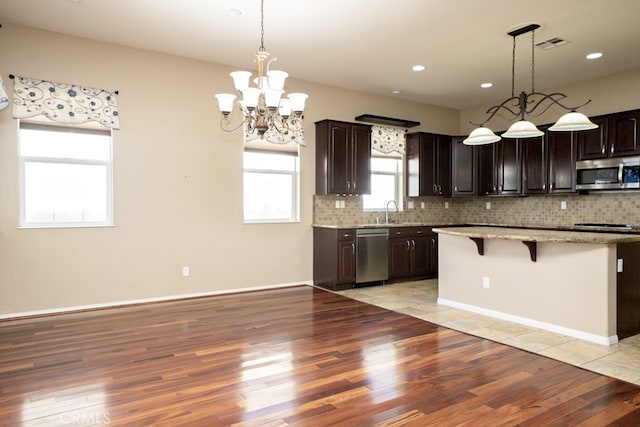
column 522, row 129
column 480, row 136
column 573, row 121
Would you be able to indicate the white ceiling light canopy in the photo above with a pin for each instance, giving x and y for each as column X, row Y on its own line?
column 528, row 104
column 274, row 119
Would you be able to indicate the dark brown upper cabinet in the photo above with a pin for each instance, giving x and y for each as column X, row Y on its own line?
column 616, row 136
column 463, row 168
column 562, row 161
column 428, row 165
column 535, row 165
column 500, row 168
column 343, row 158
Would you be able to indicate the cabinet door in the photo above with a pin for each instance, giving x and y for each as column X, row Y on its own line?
column 592, row 144
column 412, row 165
column 562, row 162
column 399, row 260
column 433, row 254
column 509, row 166
column 487, row 171
column 420, row 255
column 534, row 165
column 338, row 159
column 443, row 165
column 346, row 262
column 360, row 159
column 421, row 165
column 623, row 134
column 463, row 164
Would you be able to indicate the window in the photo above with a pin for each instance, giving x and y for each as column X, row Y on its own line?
column 65, row 176
column 270, row 186
column 386, row 182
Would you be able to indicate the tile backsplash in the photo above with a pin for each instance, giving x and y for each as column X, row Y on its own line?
column 618, row 207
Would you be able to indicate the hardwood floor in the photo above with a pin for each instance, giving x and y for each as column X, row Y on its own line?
column 295, row 356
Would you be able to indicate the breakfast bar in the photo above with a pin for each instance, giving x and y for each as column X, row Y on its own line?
column 570, row 282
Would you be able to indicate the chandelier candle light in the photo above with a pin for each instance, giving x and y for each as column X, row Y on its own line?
column 528, row 103
column 275, row 119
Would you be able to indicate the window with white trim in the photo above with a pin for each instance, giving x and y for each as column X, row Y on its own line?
column 386, row 181
column 271, row 182
column 65, row 176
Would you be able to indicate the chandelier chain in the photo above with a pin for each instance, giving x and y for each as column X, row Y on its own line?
column 262, row 25
column 513, row 68
column 533, row 62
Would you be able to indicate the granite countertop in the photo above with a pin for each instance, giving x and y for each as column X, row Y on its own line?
column 385, row 225
column 539, row 235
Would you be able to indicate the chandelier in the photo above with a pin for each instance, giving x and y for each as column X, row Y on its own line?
column 266, row 114
column 531, row 104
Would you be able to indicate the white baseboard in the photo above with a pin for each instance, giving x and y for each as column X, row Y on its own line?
column 575, row 333
column 60, row 310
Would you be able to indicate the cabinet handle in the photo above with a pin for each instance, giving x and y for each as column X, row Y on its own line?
column 544, row 186
column 413, row 244
column 433, row 243
column 408, row 245
column 435, row 189
column 354, row 186
column 603, row 149
column 353, row 248
column 439, row 189
column 455, row 189
column 613, row 148
column 348, row 186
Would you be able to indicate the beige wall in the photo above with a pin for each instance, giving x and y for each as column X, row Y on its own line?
column 177, row 182
column 571, row 288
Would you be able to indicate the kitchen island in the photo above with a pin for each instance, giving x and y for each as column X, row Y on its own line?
column 567, row 282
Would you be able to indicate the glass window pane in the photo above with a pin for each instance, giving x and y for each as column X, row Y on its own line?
column 383, row 189
column 58, row 192
column 65, row 145
column 269, row 161
column 381, row 164
column 268, row 196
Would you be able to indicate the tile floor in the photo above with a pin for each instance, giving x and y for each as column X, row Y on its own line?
column 418, row 299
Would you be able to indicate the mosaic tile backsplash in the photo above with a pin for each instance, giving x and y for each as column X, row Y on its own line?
column 619, row 207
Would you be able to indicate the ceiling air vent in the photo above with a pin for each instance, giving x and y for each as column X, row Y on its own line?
column 551, row 43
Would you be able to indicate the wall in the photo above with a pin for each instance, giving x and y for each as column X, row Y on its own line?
column 177, row 182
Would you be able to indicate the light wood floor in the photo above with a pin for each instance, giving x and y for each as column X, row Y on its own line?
column 298, row 356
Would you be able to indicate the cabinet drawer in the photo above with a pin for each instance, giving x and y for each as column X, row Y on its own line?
column 346, row 235
column 399, row 232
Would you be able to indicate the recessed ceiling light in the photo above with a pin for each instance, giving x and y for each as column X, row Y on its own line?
column 486, row 85
column 233, row 12
column 594, row 55
column 395, row 91
column 418, row 68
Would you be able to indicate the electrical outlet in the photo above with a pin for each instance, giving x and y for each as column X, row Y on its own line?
column 423, row 205
column 620, row 266
column 487, row 205
column 446, row 205
column 337, row 204
column 563, row 205
column 410, row 204
column 185, row 271
column 485, row 282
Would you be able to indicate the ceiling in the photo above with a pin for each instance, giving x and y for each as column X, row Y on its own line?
column 368, row 45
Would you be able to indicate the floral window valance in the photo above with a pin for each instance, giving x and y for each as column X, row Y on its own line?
column 387, row 139
column 64, row 102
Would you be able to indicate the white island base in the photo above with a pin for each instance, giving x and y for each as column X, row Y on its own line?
column 569, row 289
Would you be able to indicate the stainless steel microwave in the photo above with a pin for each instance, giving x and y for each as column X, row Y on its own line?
column 608, row 174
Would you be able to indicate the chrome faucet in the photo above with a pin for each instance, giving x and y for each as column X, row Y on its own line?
column 386, row 216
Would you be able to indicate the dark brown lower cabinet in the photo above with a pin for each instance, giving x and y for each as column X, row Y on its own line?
column 334, row 258
column 411, row 253
column 628, row 290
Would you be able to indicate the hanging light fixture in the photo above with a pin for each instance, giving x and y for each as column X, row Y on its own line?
column 529, row 104
column 266, row 115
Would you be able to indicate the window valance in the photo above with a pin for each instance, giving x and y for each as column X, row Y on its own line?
column 387, row 139
column 64, row 102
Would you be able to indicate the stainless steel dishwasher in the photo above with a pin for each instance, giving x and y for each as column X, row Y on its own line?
column 372, row 250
